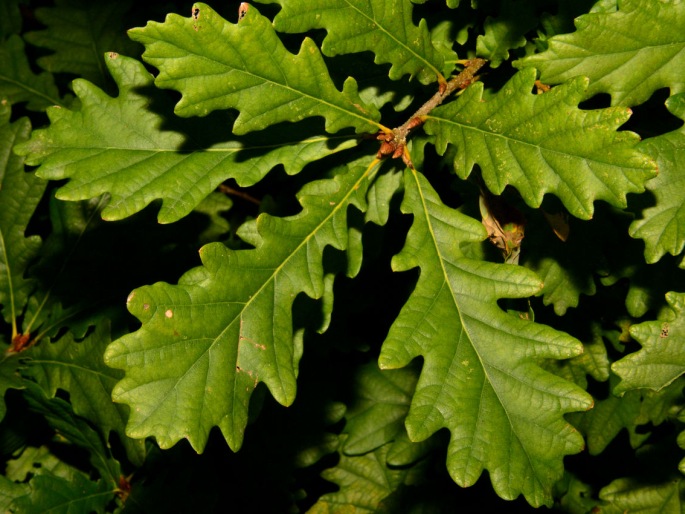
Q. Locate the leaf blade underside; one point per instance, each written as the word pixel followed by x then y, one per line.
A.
pixel 543 143
pixel 480 377
pixel 122 147
pixel 628 53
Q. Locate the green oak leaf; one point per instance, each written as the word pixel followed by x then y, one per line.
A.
pixel 543 143
pixel 565 267
pixel 384 27
pixel 79 33
pixel 10 18
pixel 630 495
pixel 19 84
pixel 628 53
pixel 53 494
pixel 364 481
pixel 594 362
pixel 481 377
pixel 662 227
pixel 75 429
pixel 119 146
pixel 219 65
pixel 662 357
pixel 376 416
pixel 506 31
pixel 227 325
pixel 10 365
pixel 608 417
pixel 11 491
pixel 78 369
pixel 20 193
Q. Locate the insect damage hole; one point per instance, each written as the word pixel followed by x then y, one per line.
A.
pixel 196 17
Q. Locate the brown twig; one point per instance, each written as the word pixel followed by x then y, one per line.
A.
pixel 395 142
pixel 228 190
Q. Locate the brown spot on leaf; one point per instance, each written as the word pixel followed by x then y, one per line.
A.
pixel 242 10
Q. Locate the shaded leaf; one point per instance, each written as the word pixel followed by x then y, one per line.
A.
pixel 662 227
pixel 543 143
pixel 384 27
pixel 119 146
pixel 228 325
pixel 10 491
pixel 364 481
pixel 481 377
pixel 662 357
pixel 10 18
pixel 10 364
pixel 79 33
pixel 20 193
pixel 629 495
pixel 78 369
pixel 506 31
pixel 19 84
pixel 376 416
pixel 601 424
pixel 628 53
pixel 60 416
pixel 57 495
pixel 594 362
pixel 205 58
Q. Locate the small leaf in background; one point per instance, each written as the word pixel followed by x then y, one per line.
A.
pixel 75 429
pixel 118 146
pixel 76 495
pixel 662 226
pixel 364 481
pixel 19 84
pixel 10 18
pixel 629 495
pixel 662 357
pixel 376 417
pixel 480 378
pixel 629 52
pixel 506 31
pixel 384 27
pixel 543 144
pixel 78 369
pixel 79 33
pixel 228 325
pixel 20 193
pixel 204 57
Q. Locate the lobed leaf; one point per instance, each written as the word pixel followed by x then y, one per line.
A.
pixel 506 31
pixel 376 417
pixel 19 84
pixel 662 357
pixel 628 53
pixel 384 27
pixel 120 146
pixel 629 495
pixel 662 227
pixel 227 326
pixel 481 377
pixel 219 65
pixel 49 493
pixel 543 143
pixel 78 369
pixel 364 481
pixel 20 193
pixel 79 33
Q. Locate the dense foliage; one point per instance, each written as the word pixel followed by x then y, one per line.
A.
pixel 342 256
